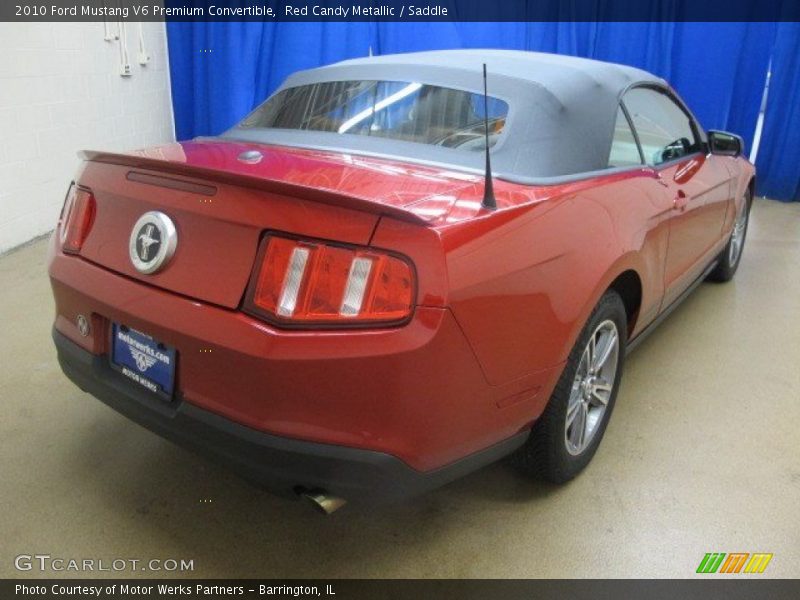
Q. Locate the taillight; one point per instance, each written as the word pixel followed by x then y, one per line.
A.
pixel 77 217
pixel 303 282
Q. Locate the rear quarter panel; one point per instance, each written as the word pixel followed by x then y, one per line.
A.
pixel 523 281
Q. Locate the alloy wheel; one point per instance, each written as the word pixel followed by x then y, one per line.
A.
pixel 592 387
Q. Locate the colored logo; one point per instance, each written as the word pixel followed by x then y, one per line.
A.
pixel 735 562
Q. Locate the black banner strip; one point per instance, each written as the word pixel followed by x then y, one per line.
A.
pixel 399 10
pixel 735 588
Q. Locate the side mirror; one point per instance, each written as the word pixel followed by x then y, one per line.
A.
pixel 724 143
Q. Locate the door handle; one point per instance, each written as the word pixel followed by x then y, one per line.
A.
pixel 680 201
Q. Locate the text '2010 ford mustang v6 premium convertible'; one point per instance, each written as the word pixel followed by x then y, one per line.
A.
pixel 397 269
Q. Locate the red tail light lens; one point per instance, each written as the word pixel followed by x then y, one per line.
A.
pixel 77 218
pixel 302 282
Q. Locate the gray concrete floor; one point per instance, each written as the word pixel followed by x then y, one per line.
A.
pixel 702 454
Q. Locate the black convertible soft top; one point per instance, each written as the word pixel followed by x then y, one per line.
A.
pixel 562 110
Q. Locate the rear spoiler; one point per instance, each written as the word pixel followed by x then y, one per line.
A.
pixel 282 188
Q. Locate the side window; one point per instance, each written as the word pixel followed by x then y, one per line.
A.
pixel 624 151
pixel 665 131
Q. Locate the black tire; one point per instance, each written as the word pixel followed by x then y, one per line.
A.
pixel 727 262
pixel 545 455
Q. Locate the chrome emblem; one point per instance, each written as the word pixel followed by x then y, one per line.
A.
pixel 251 157
pixel 152 243
pixel 83 325
pixel 146 240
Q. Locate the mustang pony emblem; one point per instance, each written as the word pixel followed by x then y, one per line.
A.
pixel 152 242
pixel 147 240
pixel 143 361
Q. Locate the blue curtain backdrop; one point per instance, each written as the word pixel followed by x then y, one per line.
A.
pixel 778 161
pixel 221 70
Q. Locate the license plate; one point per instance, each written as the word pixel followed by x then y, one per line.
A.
pixel 144 360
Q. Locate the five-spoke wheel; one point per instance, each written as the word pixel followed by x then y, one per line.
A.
pixel 565 437
pixel 592 387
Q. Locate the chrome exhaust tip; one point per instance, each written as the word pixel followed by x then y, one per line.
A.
pixel 322 501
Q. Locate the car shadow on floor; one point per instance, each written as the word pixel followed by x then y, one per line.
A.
pixel 182 503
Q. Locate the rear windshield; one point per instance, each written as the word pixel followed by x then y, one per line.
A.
pixel 397 110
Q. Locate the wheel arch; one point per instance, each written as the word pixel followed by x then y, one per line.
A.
pixel 628 285
pixel 630 278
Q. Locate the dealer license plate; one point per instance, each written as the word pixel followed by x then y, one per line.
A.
pixel 144 360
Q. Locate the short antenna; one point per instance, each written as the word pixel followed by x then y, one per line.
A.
pixel 489 201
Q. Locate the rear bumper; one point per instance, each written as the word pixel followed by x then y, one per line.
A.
pixel 277 463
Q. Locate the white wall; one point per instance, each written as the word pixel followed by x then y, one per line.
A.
pixel 60 92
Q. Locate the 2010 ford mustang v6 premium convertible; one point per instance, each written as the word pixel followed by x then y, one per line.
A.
pixel 396 269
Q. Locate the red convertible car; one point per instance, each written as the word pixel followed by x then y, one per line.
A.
pixel 396 269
